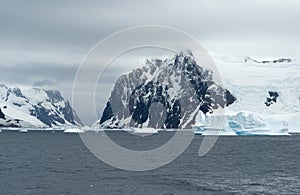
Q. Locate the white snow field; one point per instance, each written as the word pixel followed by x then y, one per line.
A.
pixel 250 81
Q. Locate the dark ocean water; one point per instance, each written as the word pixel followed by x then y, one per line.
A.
pixel 58 163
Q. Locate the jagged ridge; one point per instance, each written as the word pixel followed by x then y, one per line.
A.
pixel 179 85
pixel 34 108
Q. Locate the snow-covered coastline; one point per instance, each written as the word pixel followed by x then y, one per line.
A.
pixel 35 108
pixel 267 102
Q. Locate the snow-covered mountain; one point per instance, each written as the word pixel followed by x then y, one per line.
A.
pixel 164 94
pixel 35 108
pixel 262 96
pixel 267 92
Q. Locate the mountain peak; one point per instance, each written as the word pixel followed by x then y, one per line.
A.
pixel 3 86
pixel 184 58
pixel 54 95
pixel 185 53
pixel 178 84
pixel 35 107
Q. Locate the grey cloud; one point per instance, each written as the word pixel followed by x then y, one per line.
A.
pixel 26 73
pixel 44 82
pixel 43 75
pixel 42 43
pixel 72 27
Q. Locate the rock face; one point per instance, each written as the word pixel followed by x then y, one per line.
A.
pixel 164 94
pixel 2 116
pixel 277 61
pixel 273 95
pixel 34 108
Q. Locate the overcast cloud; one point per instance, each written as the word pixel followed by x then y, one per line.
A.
pixel 43 42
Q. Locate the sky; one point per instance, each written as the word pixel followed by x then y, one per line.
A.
pixel 42 43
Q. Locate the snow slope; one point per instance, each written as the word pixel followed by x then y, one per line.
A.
pixel 253 82
pixel 267 94
pixel 34 108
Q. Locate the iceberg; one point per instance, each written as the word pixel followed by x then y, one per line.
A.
pixel 23 131
pixel 249 123
pixel 294 123
pixel 74 130
pixel 144 130
pixel 199 130
pixel 245 123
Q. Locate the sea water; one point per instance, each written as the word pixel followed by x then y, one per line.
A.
pixel 59 163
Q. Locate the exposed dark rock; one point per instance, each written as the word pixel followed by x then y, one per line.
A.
pixel 2 115
pixel 179 85
pixel 107 113
pixel 277 61
pixel 273 95
pixel 46 105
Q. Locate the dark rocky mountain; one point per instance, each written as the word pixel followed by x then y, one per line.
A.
pixel 164 94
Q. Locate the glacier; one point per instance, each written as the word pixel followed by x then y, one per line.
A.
pixel 268 97
pixel 246 123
